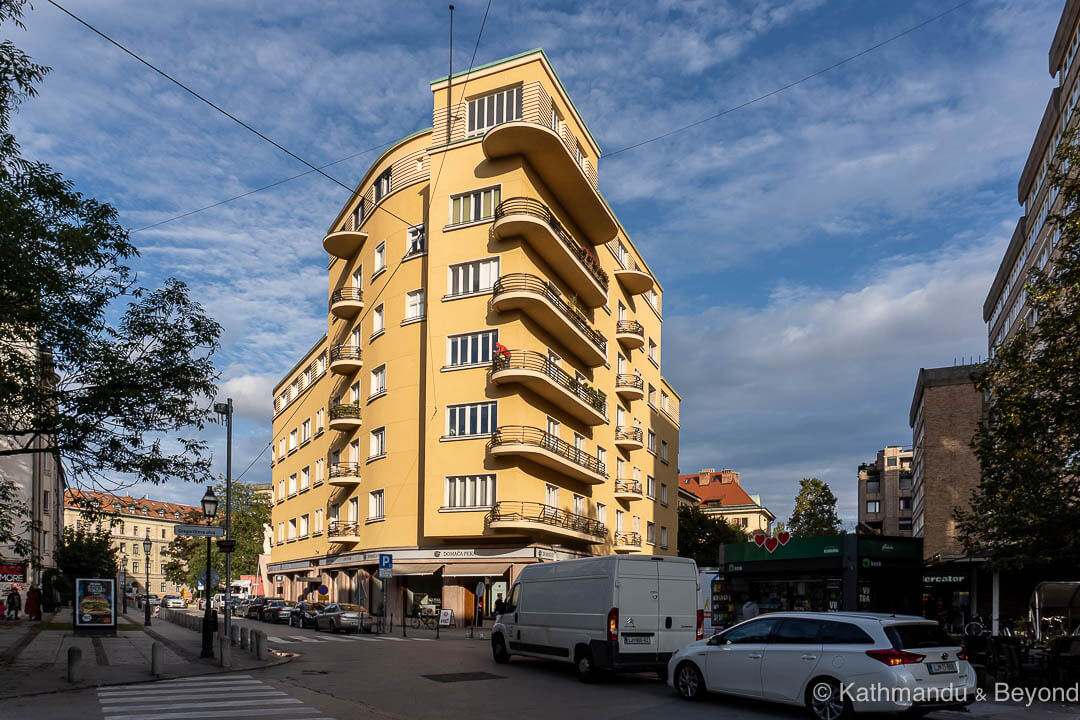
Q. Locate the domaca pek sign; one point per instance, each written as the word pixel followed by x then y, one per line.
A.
pixel 13 573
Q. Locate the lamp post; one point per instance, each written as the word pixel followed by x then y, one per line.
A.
pixel 146 546
pixel 209 508
pixel 123 581
pixel 225 410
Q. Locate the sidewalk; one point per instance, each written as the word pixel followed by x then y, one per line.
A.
pixel 41 665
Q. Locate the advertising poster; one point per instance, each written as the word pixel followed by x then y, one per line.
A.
pixel 95 603
pixel 14 573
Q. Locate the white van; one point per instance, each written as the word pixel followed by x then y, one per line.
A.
pixel 619 612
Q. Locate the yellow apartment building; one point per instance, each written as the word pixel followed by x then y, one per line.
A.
pixel 488 393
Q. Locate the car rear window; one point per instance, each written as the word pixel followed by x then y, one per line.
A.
pixel 917 635
pixel 842 633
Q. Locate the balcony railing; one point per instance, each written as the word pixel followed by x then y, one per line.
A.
pixel 343 294
pixel 545 515
pixel 345 411
pixel 342 528
pixel 522 282
pixel 630 326
pixel 536 209
pixel 625 432
pixel 535 437
pixel 339 470
pixel 530 360
pixel 629 380
pixel 628 486
pixel 630 538
pixel 344 352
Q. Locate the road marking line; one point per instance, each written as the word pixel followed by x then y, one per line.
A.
pixel 208 714
pixel 201 696
pixel 423 639
pixel 274 639
pixel 152 692
pixel 305 638
pixel 335 638
pixel 238 685
pixel 372 639
pixel 395 639
pixel 179 685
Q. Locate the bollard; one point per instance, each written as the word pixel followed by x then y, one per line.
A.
pixel 260 645
pixel 224 651
pixel 244 637
pixel 74 666
pixel 234 635
pixel 157 659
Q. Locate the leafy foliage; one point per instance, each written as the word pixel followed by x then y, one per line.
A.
pixel 85 551
pixel 186 557
pixel 107 372
pixel 701 535
pixel 16 523
pixel 815 510
pixel 1026 509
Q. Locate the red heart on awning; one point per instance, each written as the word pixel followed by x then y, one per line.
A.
pixel 784 537
pixel 759 539
pixel 771 544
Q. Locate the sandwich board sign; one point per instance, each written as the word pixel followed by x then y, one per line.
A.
pixel 95 606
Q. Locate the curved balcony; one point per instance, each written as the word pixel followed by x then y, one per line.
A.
pixel 532 220
pixel 534 517
pixel 628 489
pixel 629 386
pixel 540 447
pixel 345 417
pixel 634 279
pixel 344 243
pixel 628 438
pixel 340 531
pixel 627 542
pixel 630 333
pixel 535 371
pixel 344 475
pixel 545 152
pixel 346 302
pixel 537 299
pixel 345 359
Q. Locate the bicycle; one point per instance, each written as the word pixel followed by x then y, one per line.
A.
pixel 425 618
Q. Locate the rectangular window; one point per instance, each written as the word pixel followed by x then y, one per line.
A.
pixel 317 528
pixel 663 493
pixel 281 489
pixel 305 431
pixel 378 443
pixel 601 456
pixel 471 277
pixel 292 440
pixel 652 442
pixel 890 462
pixel 474 206
pixel 292 528
pixel 354 509
pixel 471 348
pixel 45 502
pixel 579 505
pixel 380 259
pixel 320 420
pixel 354 393
pixel 281 448
pixel 904 524
pixel 415 241
pixel 376 506
pixel 650 486
pixel 378 381
pixel 551 496
pixel 304 526
pixel 469 491
pixel 414 304
pixel 601 513
pixel 305 478
pixel 320 471
pixel 663 450
pixel 873 506
pixel 382 185
pixel 335 512
pixel 134 566
pixel 905 503
pixel 663 536
pixel 292 484
pixel 652 351
pixel 620 521
pixel 652 395
pixel 471 419
pixel 494 109
pixel 377 324
pixel 650 533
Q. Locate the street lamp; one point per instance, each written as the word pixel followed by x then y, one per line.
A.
pixel 123 581
pixel 225 411
pixel 209 508
pixel 146 546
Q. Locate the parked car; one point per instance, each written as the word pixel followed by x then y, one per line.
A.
pixel 886 663
pixel 235 605
pixel 173 601
pixel 152 598
pixel 254 608
pixel 304 614
pixel 338 616
pixel 619 612
pixel 277 611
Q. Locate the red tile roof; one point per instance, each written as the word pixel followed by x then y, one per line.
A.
pixel 134 507
pixel 716 493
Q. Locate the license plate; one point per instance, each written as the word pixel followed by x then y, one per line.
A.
pixel 941 668
pixel 637 639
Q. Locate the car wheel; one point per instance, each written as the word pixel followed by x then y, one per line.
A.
pixel 498 650
pixel 583 666
pixel 688 681
pixel 825 701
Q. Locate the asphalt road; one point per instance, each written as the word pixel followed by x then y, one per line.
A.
pixel 369 677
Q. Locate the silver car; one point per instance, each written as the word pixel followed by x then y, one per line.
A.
pixel 174 601
pixel 338 616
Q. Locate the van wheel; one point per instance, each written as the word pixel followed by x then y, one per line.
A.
pixel 825 702
pixel 688 681
pixel 498 650
pixel 583 666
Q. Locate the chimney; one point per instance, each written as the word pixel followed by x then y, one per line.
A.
pixel 704 475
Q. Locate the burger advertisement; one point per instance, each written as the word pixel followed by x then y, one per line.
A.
pixel 95 603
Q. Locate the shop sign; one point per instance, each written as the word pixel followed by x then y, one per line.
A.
pixel 732 567
pixel 944 579
pixel 13 573
pixel 868 563
pixel 95 603
pixel 545 554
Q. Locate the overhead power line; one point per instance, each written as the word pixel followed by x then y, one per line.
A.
pixel 790 85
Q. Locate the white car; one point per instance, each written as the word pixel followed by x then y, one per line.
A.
pixel 174 601
pixel 834 664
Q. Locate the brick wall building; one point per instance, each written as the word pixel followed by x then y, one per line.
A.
pixel 885 490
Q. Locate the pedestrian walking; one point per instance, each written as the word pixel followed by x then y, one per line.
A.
pixel 33 603
pixel 750 609
pixel 14 603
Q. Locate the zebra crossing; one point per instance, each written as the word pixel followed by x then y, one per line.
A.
pixel 296 639
pixel 223 696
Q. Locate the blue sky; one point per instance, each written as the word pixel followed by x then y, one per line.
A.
pixel 816 248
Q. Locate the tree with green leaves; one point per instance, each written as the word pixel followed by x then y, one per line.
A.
pixel 1026 509
pixel 702 534
pixel 84 551
pixel 110 374
pixel 186 556
pixel 815 510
